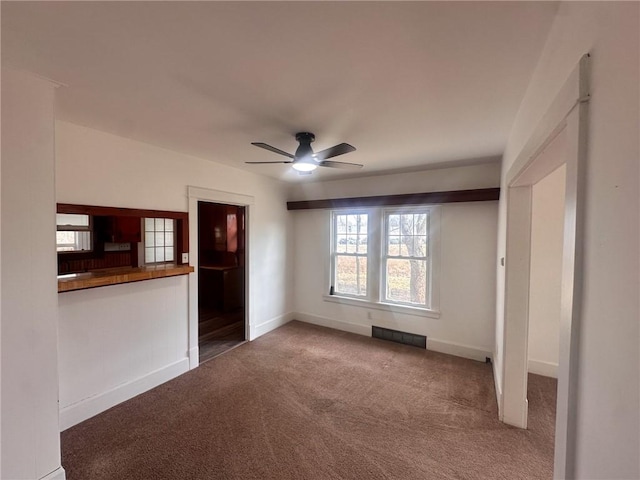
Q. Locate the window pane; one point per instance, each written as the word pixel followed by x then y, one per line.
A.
pixel 351 275
pixel 362 244
pixel 168 225
pixel 159 254
pixel 393 245
pixel 362 275
pixel 406 224
pixel 159 224
pixel 404 245
pixel 362 225
pixel 73 241
pixel 168 254
pixel 168 239
pixel 352 223
pixel 149 239
pixel 149 224
pixel 159 239
pixel 341 244
pixel 65 238
pixel 149 255
pixel 420 223
pixel 352 242
pixel 72 219
pixel 341 224
pixel 394 224
pixel 406 281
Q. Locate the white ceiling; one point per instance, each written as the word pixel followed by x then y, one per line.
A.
pixel 409 84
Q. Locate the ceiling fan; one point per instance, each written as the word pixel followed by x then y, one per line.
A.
pixel 305 160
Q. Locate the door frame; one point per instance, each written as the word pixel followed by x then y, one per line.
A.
pixel 199 194
pixel 567 117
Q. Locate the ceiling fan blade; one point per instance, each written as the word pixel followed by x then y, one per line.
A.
pixel 281 161
pixel 334 164
pixel 334 151
pixel 272 149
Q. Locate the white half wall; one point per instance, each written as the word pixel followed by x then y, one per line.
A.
pixel 467 262
pixel 547 232
pixel 29 433
pixel 100 366
pixel 608 390
pixel 118 341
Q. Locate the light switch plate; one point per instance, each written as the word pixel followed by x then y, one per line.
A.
pixel 185 258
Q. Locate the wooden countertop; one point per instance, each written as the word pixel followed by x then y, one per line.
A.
pixel 115 276
pixel 218 268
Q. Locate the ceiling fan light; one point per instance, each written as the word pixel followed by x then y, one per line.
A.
pixel 304 166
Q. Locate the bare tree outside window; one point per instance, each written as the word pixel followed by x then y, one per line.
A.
pixel 406 257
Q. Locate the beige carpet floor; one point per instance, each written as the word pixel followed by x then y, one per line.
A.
pixel 305 402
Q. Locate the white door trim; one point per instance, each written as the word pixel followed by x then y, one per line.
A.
pixel 567 115
pixel 196 194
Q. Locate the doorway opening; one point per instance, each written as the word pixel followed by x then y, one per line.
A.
pixel 545 288
pixel 563 128
pixel 221 278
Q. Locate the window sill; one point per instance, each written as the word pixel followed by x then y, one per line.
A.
pixel 385 307
pixel 115 276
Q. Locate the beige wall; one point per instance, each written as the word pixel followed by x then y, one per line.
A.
pixel 547 231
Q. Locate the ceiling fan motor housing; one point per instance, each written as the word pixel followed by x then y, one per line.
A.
pixel 304 151
pixel 305 137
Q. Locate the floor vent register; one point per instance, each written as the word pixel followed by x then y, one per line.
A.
pixel 399 337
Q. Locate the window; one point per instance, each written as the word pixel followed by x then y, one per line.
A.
pixel 385 257
pixel 159 245
pixel 406 257
pixel 73 233
pixel 350 253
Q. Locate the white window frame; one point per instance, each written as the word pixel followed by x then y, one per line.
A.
pixel 334 251
pixel 79 229
pixel 154 231
pixel 376 285
pixel 387 212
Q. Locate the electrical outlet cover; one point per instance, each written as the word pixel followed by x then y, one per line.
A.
pixel 185 258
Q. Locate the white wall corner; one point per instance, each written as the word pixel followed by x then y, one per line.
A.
pixel 57 474
pixel 266 327
pixel 335 324
pixel 458 350
pixel 546 369
pixel 84 409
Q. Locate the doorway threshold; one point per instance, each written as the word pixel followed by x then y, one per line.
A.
pixel 214 348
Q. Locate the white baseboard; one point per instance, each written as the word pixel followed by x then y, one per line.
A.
pixel 497 382
pixel 546 369
pixel 335 324
pixel 266 327
pixel 78 412
pixel 57 474
pixel 458 350
pixel 194 357
pixel 450 348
